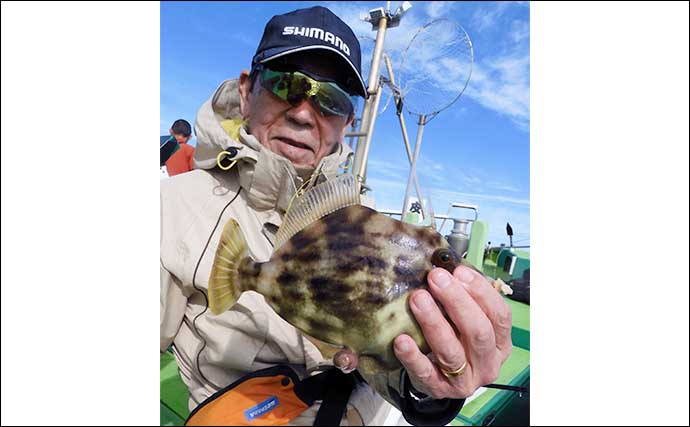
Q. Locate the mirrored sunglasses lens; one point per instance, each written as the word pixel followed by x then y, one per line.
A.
pixel 296 87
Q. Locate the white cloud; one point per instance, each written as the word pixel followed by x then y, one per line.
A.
pixel 436 9
pixel 382 168
pixel 502 85
pixel 388 193
pixel 502 186
pixel 487 17
pixel 519 31
pixel 478 196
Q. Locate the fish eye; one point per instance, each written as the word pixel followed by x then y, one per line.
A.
pixel 442 258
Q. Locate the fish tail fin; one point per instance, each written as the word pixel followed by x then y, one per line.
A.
pixel 224 284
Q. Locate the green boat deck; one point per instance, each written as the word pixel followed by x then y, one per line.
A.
pixel 174 393
pixel 491 404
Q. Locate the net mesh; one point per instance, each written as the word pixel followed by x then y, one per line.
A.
pixel 436 67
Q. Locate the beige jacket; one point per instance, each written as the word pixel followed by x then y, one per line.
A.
pixel 214 351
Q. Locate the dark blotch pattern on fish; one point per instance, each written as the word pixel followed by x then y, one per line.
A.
pixel 294 295
pixel 320 282
pixel 256 269
pixel 410 273
pixel 302 240
pixel 286 278
pixel 349 264
pixel 350 311
pixel 346 268
pixel 375 299
pixel 422 235
pixel 288 311
pixel 375 263
pixel 308 255
pixel 324 287
pixel 333 296
pixel 343 245
pixel 337 223
pixel 319 325
pixel 249 268
pixel 407 271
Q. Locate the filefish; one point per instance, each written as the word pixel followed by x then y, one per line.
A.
pixel 341 272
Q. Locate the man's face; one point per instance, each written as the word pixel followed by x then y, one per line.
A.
pixel 300 133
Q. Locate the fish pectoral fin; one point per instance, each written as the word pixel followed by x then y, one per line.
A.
pixel 223 285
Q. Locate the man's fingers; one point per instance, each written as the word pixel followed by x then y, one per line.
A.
pixel 474 326
pixel 422 372
pixel 492 303
pixel 439 334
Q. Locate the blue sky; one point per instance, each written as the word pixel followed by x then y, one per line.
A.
pixel 477 151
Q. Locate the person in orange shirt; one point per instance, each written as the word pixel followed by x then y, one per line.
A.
pixel 183 159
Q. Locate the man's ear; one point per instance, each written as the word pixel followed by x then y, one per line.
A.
pixel 245 88
pixel 347 126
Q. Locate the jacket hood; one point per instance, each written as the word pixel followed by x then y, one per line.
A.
pixel 270 179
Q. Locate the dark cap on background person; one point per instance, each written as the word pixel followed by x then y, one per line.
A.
pixel 314 29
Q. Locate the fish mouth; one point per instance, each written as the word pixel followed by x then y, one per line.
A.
pixel 294 143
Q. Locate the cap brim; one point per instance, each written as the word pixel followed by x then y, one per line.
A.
pixel 278 52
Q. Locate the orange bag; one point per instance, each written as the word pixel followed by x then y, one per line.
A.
pixel 274 396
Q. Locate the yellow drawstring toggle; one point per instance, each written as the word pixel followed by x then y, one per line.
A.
pixel 218 159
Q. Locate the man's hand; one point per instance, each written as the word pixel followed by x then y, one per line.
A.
pixel 484 322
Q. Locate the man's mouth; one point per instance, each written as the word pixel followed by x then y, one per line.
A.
pixel 294 143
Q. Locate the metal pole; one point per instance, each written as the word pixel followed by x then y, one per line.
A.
pixel 370 131
pixel 369 114
pixel 413 169
pixel 401 119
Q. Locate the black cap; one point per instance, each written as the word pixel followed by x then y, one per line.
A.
pixel 313 28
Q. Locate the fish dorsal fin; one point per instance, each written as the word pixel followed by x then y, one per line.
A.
pixel 321 200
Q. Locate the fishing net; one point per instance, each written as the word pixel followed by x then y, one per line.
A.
pixel 436 67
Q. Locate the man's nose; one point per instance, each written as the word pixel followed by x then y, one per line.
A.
pixel 303 114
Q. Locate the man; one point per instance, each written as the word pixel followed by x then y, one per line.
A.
pixel 183 158
pixel 260 137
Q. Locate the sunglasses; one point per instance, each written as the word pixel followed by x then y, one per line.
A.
pixel 295 87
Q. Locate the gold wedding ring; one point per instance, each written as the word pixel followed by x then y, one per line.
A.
pixel 455 373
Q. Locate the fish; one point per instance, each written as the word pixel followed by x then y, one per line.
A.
pixel 342 273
